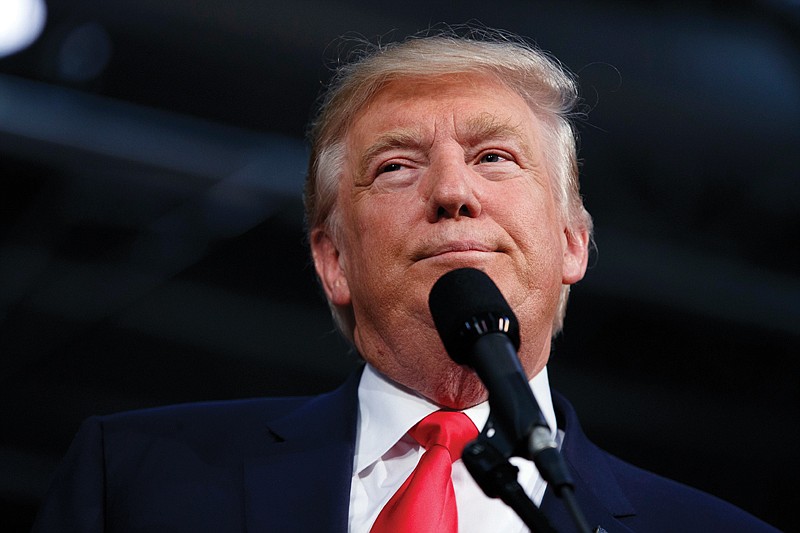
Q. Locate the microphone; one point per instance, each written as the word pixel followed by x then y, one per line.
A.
pixel 479 329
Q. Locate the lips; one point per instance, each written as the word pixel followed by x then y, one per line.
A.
pixel 452 247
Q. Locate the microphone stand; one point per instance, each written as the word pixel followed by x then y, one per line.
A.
pixel 486 459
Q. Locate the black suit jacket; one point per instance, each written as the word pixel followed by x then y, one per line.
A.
pixel 285 464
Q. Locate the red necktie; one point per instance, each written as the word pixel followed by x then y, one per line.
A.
pixel 426 501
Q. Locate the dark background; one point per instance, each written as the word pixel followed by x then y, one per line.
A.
pixel 151 242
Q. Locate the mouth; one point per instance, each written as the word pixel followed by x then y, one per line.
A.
pixel 464 249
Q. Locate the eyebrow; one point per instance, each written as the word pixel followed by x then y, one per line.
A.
pixel 402 138
pixel 488 126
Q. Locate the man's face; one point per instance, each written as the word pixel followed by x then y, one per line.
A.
pixel 442 174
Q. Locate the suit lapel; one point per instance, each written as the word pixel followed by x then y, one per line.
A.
pixel 599 495
pixel 301 481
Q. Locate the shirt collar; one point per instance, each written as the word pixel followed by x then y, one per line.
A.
pixel 386 411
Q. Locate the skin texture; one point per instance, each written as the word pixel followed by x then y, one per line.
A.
pixel 441 174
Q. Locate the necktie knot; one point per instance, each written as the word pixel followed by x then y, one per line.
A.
pixel 450 429
pixel 426 501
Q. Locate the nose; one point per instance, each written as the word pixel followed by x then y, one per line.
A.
pixel 451 191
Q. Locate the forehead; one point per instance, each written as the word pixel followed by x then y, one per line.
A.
pixel 458 100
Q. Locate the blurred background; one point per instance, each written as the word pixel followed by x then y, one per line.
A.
pixel 151 232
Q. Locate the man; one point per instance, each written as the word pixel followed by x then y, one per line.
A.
pixel 427 156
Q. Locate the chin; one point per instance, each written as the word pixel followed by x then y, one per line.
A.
pixel 458 387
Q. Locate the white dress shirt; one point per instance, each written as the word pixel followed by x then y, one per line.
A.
pixel 385 456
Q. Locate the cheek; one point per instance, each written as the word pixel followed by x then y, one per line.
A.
pixel 538 234
pixel 383 221
pixel 374 238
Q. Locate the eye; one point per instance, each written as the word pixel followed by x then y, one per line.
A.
pixel 492 158
pixel 391 167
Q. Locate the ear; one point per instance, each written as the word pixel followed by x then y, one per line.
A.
pixel 330 270
pixel 576 255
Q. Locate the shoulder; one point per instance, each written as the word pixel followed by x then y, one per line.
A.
pixel 227 413
pixel 208 429
pixel 642 500
pixel 666 504
pixel 190 467
pixel 133 466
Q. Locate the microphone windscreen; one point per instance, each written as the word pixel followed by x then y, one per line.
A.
pixel 465 304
